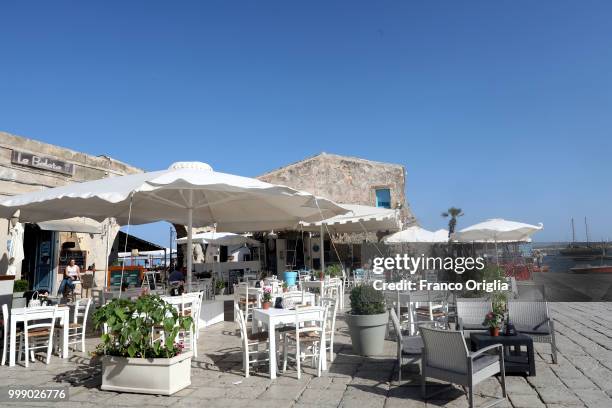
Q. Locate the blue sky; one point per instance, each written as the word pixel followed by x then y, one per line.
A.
pixel 501 108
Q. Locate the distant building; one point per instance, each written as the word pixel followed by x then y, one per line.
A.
pixel 29 165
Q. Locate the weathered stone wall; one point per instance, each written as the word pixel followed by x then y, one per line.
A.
pixel 347 180
pixel 17 179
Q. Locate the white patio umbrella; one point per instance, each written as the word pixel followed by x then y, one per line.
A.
pixel 417 234
pixel 187 193
pixel 498 230
pixel 357 219
pixel 219 238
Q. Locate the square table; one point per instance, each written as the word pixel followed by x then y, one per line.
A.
pixel 37 313
pixel 273 317
pixel 515 361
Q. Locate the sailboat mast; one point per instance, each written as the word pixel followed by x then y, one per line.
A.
pixel 586 227
pixel 573 232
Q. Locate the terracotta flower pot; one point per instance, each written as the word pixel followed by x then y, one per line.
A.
pixel 494 331
pixel 266 305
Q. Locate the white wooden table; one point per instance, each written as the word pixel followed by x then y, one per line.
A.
pixel 273 317
pixel 38 313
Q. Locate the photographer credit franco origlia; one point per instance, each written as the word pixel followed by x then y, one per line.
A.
pixel 412 264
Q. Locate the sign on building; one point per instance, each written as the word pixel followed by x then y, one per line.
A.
pixel 42 162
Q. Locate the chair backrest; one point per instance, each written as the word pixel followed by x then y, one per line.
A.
pixel 445 349
pixel 332 305
pixel 473 310
pixel 81 311
pixel 87 280
pixel 5 318
pixel 527 313
pixel 240 321
pixel 396 326
pixel 35 322
pixel 303 316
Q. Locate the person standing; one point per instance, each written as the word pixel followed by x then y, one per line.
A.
pixel 71 273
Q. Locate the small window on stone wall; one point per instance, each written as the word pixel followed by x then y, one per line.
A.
pixel 383 197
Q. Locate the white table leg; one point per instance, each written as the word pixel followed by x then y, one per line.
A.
pixel 12 350
pixel 65 323
pixel 272 339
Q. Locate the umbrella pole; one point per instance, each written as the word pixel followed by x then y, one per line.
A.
pixel 322 262
pixel 189 246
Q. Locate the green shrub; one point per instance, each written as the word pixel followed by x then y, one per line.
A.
pixel 20 285
pixel 365 300
pixel 131 322
pixel 334 270
pixel 219 285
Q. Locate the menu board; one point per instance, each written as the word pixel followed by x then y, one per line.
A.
pixel 131 274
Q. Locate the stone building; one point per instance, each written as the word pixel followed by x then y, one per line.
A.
pixel 29 165
pixel 346 180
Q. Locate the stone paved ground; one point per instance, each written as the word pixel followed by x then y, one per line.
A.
pixel 583 376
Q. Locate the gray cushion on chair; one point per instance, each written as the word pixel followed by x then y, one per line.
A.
pixel 484 361
pixel 542 330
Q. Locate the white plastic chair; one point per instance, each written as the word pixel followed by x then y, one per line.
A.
pixel 250 342
pixel 77 328
pixel 307 332
pixel 37 334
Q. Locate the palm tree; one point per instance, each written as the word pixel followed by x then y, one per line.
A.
pixel 453 213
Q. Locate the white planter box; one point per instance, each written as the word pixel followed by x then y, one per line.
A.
pixel 163 376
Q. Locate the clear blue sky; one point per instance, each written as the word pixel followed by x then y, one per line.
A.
pixel 501 108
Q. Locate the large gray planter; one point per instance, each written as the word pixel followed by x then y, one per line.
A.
pixel 368 333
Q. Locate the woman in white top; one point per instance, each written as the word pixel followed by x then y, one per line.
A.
pixel 71 273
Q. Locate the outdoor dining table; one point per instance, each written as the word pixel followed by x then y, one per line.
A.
pixel 37 313
pixel 273 317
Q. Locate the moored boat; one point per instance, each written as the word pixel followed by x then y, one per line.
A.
pixel 592 269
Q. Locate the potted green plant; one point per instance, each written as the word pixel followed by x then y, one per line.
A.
pixel 139 351
pixel 219 287
pixel 334 270
pixel 285 287
pixel 367 320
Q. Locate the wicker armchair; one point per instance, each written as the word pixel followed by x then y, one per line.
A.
pixel 409 348
pixel 533 319
pixel 446 357
pixel 471 313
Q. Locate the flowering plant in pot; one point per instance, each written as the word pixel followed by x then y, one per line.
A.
pixel 139 349
pixel 493 320
pixel 267 298
pixel 367 320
